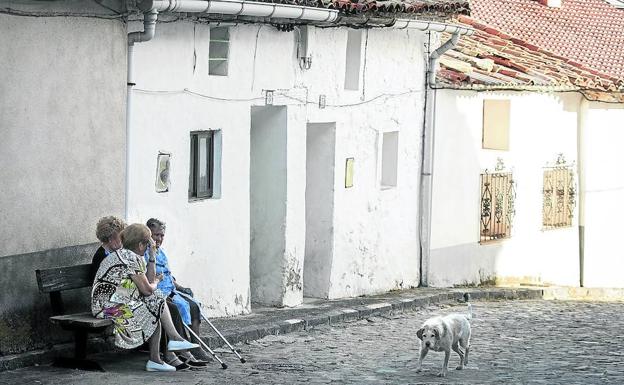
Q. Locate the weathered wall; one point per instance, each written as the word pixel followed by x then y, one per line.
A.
pixel 62 81
pixel 319 205
pixel 268 203
pixel 541 126
pixel 375 230
pixel 603 133
pixel 209 241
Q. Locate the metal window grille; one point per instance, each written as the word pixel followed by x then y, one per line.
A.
pixel 559 196
pixel 498 196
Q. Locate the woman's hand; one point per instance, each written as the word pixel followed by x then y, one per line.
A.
pixel 151 248
pixel 145 287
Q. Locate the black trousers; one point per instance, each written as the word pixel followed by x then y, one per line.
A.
pixel 177 322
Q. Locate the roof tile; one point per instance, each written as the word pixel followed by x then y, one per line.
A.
pixel 490 60
pixel 588 31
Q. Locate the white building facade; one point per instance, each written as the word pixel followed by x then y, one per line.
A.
pixel 281 223
pixel 541 126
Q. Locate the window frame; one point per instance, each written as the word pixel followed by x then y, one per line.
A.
pixel 194 192
pixel 213 42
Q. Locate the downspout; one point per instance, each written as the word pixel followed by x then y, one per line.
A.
pixel 149 29
pixel 580 164
pixel 428 143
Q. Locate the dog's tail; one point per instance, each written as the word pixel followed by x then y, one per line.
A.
pixel 466 299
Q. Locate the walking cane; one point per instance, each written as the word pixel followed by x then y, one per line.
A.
pixel 223 365
pixel 242 360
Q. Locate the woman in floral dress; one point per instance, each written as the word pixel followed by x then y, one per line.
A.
pixel 124 290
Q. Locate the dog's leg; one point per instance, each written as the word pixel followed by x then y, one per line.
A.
pixel 447 355
pixel 423 353
pixel 458 350
pixel 465 343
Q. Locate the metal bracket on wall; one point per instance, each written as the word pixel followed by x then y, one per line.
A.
pixel 268 97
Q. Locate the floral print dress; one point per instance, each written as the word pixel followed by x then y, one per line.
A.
pixel 116 297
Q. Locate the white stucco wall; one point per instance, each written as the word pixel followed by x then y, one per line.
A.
pixel 62 119
pixel 62 144
pixel 268 203
pixel 319 241
pixel 603 132
pixel 375 231
pixel 376 240
pixel 541 126
pixel 208 240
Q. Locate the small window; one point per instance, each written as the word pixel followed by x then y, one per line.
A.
pixel 352 64
pixel 389 159
pixel 497 211
pixel 559 196
pixel 201 179
pixel 219 51
pixel 496 124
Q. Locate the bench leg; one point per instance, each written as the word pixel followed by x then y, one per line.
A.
pixel 80 347
pixel 79 361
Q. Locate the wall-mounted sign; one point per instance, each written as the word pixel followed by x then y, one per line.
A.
pixel 162 172
pixel 349 173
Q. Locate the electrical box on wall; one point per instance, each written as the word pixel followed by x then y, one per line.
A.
pixel 303 54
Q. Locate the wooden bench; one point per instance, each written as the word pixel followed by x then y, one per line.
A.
pixel 56 280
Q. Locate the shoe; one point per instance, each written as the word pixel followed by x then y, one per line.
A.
pixel 201 355
pixel 152 366
pixel 177 363
pixel 182 366
pixel 195 363
pixel 173 346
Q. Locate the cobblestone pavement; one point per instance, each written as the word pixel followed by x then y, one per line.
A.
pixel 514 342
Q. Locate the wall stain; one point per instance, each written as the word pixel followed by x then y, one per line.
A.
pixel 294 282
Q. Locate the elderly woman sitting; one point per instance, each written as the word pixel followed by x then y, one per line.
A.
pixel 107 230
pixel 125 291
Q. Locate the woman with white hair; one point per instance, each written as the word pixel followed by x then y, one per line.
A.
pixel 125 291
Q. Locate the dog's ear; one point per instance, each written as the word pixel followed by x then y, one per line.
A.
pixel 419 333
pixel 437 333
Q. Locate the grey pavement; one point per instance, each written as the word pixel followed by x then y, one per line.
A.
pixel 514 342
pixel 314 312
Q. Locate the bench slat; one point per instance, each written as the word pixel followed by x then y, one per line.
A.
pixel 83 320
pixel 64 278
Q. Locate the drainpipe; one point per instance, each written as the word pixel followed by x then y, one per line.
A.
pixel 428 143
pixel 149 29
pixel 580 164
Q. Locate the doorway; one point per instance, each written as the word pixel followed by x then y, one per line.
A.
pixel 267 203
pixel 319 212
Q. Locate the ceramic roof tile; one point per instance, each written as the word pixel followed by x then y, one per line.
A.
pixel 492 60
pixel 440 9
pixel 588 31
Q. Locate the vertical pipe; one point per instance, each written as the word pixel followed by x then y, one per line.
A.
pixel 581 156
pixel 428 145
pixel 149 29
pixel 129 85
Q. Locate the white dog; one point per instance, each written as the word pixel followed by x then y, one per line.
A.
pixel 442 334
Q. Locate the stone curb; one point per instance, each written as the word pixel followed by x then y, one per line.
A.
pixel 345 315
pixel 332 317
